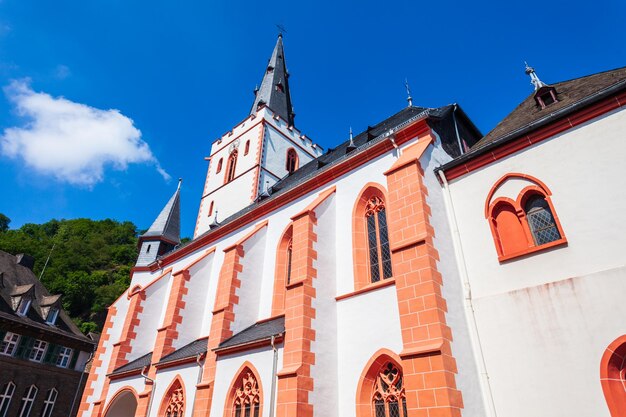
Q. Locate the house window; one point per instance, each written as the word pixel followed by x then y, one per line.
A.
pixel 219 166
pixel 246 148
pixel 292 160
pixel 37 351
pixel 525 225
pixel 541 221
pixel 377 240
pixel 52 316
pixel 48 404
pixel 63 359
pixel 247 398
pixel 175 402
pixel 389 398
pixel 232 164
pixel 27 401
pixel 5 397
pixel 22 310
pixel 8 345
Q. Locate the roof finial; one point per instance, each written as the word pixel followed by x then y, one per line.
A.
pixel 281 30
pixel 534 79
pixel 408 92
pixel 351 139
pixel 180 181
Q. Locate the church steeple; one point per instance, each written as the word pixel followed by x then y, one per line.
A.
pixel 164 234
pixel 274 89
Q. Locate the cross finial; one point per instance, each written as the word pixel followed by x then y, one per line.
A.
pixel 534 79
pixel 281 30
pixel 408 92
pixel 351 139
pixel 180 181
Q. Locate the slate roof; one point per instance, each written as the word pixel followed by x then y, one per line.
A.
pixel 188 351
pixel 138 363
pixel 258 331
pixel 274 90
pixel 167 224
pixel 17 280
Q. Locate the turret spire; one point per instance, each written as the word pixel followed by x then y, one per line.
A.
pixel 408 92
pixel 534 79
pixel 274 89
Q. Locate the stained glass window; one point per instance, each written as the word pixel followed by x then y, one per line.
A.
pixel 378 240
pixel 541 221
pixel 389 398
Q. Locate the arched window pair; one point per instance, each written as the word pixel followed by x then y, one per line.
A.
pixel 381 392
pixel 245 397
pixel 526 224
pixel 372 254
pixel 292 160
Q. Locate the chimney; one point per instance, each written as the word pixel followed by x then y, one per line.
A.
pixel 25 260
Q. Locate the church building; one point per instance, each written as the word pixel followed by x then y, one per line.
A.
pixel 417 269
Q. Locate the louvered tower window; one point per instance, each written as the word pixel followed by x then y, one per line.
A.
pixel 389 399
pixel 232 164
pixel 378 240
pixel 541 221
pixel 292 160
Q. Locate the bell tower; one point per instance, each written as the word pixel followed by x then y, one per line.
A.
pixel 260 150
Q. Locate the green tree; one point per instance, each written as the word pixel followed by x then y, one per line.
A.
pixel 4 223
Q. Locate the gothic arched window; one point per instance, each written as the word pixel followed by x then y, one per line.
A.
pixel 289 256
pixel 175 402
pixel 292 160
pixel 282 274
pixel 247 148
pixel 5 397
pixel 377 239
pixel 247 396
pixel 230 167
pixel 219 166
pixel 541 221
pixel 389 398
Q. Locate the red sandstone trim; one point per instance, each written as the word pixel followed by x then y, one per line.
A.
pixel 372 287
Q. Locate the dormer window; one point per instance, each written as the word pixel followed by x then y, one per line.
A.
pixel 52 316
pixel 22 310
pixel 545 96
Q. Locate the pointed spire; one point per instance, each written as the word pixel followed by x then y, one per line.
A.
pixel 408 92
pixel 167 224
pixel 274 89
pixel 534 79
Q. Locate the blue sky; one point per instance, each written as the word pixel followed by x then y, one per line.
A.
pixel 179 74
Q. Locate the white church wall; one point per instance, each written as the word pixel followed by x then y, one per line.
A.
pixel 188 373
pixel 365 324
pixel 247 309
pixel 467 378
pixel 195 301
pixel 227 367
pixel 114 333
pixel 546 318
pixel 326 368
pixel 275 152
pixel 134 382
pixel 150 318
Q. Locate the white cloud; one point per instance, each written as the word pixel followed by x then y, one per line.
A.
pixel 71 141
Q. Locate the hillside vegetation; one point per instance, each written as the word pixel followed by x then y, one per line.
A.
pixel 89 264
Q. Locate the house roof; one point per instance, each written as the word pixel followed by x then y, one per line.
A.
pixel 188 351
pixel 17 280
pixel 568 93
pixel 258 331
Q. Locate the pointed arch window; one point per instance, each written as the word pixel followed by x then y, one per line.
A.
pixel 378 239
pixel 27 401
pixel 48 404
pixel 247 398
pixel 292 160
pixel 219 166
pixel 231 166
pixel 282 272
pixel 389 399
pixel 5 397
pixel 246 148
pixel 210 209
pixel 174 405
pixel 289 257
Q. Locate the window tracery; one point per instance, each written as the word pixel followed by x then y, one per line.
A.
pixel 176 403
pixel 247 402
pixel 378 239
pixel 389 397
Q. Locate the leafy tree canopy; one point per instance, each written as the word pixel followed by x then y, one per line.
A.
pixel 89 264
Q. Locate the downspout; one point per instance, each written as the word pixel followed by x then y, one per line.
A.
pixel 392 139
pixel 143 374
pixel 198 379
pixel 273 389
pixel 456 129
pixel 468 304
pixel 80 382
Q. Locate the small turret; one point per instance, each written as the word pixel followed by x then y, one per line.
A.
pixel 164 234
